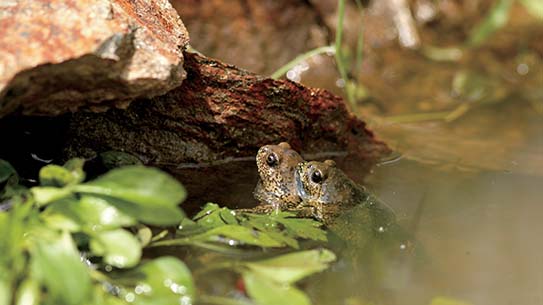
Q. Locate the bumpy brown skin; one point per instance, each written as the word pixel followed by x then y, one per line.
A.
pixel 276 189
pixel 327 191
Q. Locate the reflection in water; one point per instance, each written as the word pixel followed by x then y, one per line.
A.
pixel 508 137
pixel 480 236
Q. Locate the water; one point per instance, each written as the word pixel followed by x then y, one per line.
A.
pixel 480 233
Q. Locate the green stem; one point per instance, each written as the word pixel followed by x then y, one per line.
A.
pixel 159 236
pixel 340 60
pixel 339 39
pixel 98 276
pixel 418 117
pixel 204 245
pixel 172 242
pixel 447 116
pixel 212 299
pixel 284 69
pixel 360 40
pixel 457 112
pixel 218 266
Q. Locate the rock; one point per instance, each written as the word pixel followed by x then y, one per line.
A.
pixel 257 35
pixel 56 56
pixel 115 70
pixel 222 112
pixel 207 131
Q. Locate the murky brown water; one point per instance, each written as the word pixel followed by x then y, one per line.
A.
pixel 472 194
pixel 480 233
pixel 479 226
pixel 470 190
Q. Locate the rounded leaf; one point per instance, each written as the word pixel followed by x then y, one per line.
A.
pixel 137 184
pixel 119 248
pixel 267 292
pixel 6 170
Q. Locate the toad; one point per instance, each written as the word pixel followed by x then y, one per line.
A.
pixel 328 192
pixel 276 188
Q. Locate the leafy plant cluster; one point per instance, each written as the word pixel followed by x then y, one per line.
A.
pixel 67 241
pixel 221 225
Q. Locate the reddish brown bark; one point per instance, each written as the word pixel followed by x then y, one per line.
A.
pixel 220 112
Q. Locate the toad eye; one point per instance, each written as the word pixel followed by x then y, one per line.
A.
pixel 316 176
pixel 272 160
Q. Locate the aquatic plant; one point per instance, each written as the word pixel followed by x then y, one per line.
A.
pixel 68 241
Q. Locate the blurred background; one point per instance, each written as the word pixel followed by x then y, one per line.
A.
pixel 456 89
pixel 426 74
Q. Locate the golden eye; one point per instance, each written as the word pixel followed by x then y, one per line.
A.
pixel 317 176
pixel 272 160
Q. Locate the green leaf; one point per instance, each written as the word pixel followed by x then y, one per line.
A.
pixel 28 293
pixel 274 230
pixel 268 292
pixel 137 184
pixel 47 194
pixel 303 228
pixel 6 170
pixel 213 216
pixel 228 216
pixel 99 214
pixel 494 20
pixel 188 227
pixel 90 213
pixel 14 225
pixel 5 291
pixel 55 175
pixel 208 208
pixel 265 223
pixel 292 226
pixel 147 194
pixel 238 233
pixel 534 7
pixel 118 247
pixel 292 267
pixel 162 281
pixel 13 191
pixel 60 215
pixel 145 235
pixel 282 238
pixel 446 301
pixel 57 265
pixel 75 166
pixel 158 215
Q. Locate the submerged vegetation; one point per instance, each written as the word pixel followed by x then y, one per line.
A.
pixel 67 241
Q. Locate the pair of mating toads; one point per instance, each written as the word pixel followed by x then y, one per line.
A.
pixel 313 188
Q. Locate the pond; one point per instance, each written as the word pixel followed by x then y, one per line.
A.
pixel 461 108
pixel 466 175
pixel 476 229
pixel 479 233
